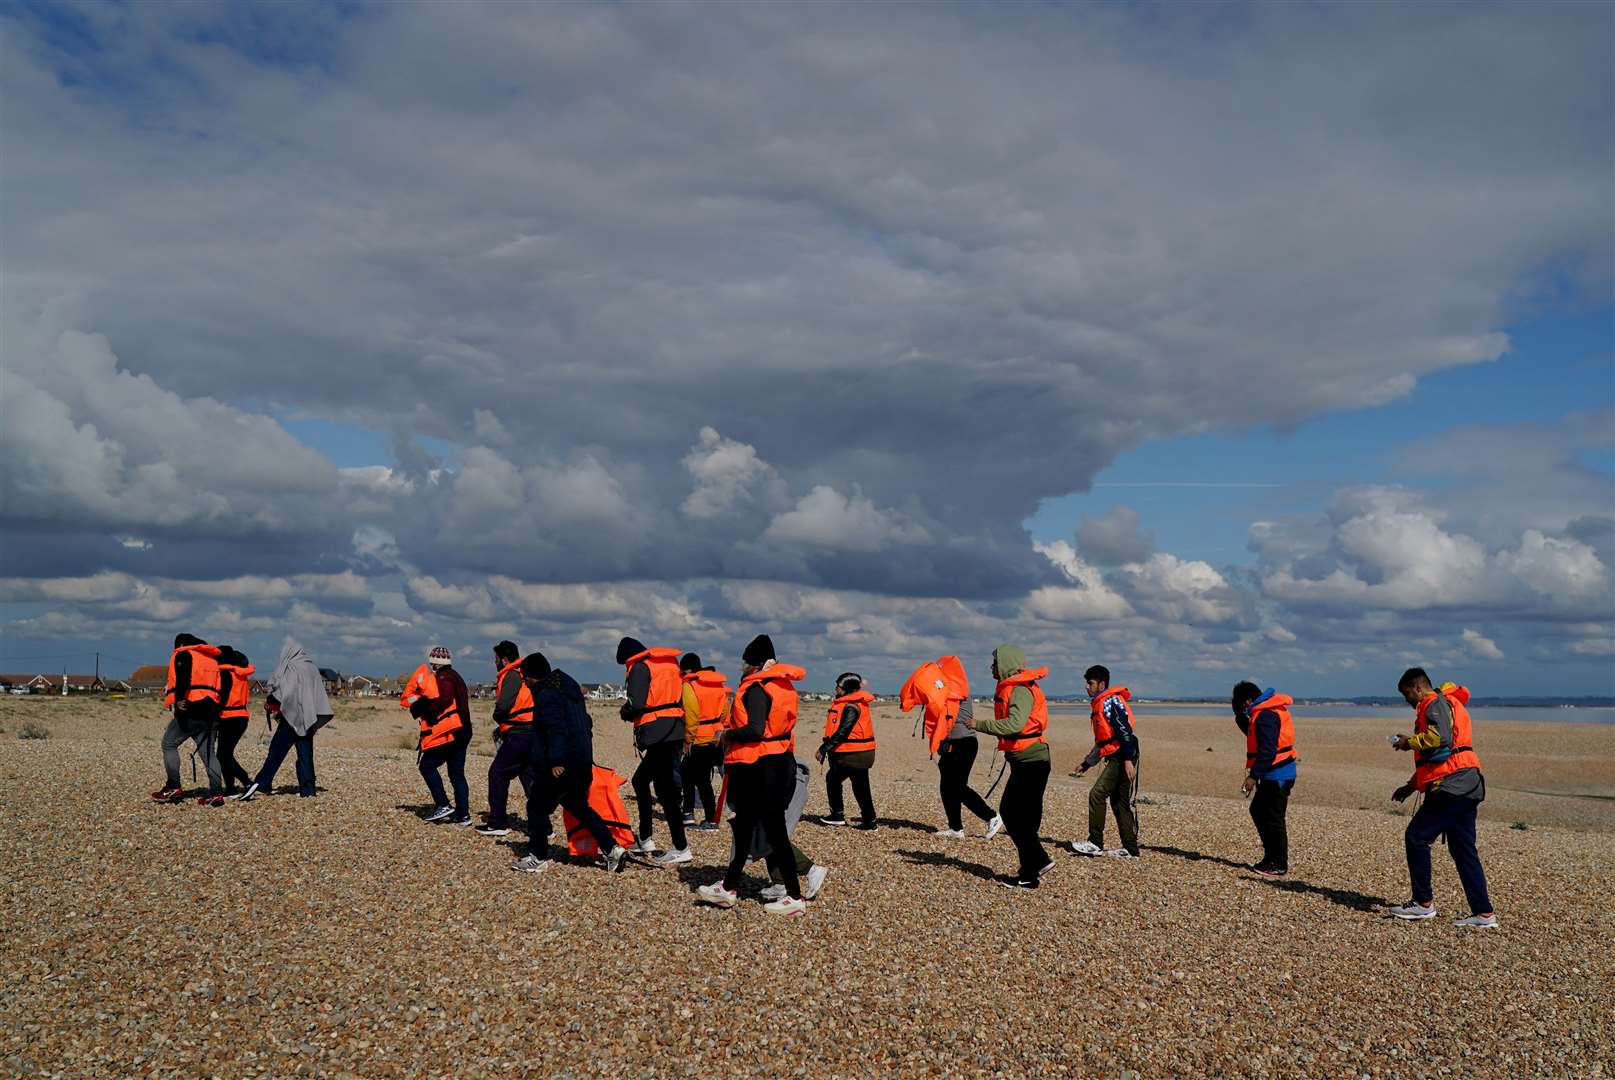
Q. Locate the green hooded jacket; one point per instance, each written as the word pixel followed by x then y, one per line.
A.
pixel 1011 660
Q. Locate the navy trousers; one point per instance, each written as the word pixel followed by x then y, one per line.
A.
pixel 1454 817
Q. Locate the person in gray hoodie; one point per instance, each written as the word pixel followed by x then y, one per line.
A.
pixel 298 703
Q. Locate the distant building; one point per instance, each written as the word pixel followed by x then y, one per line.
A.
pixel 149 679
pixel 52 684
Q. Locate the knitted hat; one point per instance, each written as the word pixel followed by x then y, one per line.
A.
pixel 759 651
pixel 689 662
pixel 439 656
pixel 628 647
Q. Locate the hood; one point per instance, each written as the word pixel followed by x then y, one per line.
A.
pixel 1011 660
pixel 628 647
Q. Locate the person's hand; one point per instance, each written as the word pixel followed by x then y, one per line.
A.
pixel 1402 792
pixel 970 724
pixel 820 756
pixel 1249 785
pixel 626 712
pixel 1402 743
pixel 1130 769
pixel 557 771
pixel 1084 767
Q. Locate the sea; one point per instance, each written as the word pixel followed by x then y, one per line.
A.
pixel 1541 714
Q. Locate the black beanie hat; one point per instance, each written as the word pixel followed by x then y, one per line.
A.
pixel 849 682
pixel 182 640
pixel 535 666
pixel 628 647
pixel 760 651
pixel 689 662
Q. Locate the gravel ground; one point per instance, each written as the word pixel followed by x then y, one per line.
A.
pixel 341 936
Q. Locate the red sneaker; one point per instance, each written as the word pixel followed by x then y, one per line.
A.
pixel 168 794
pixel 210 800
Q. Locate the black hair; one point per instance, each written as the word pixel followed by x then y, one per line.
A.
pixel 506 651
pixel 1244 693
pixel 1099 673
pixel 849 683
pixel 187 639
pixel 1412 677
pixel 689 662
pixel 628 648
pixel 535 666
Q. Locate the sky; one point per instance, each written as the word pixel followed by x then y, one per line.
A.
pixel 1207 342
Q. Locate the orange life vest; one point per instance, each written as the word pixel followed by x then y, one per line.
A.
pixel 862 735
pixel 1036 723
pixel 240 691
pixel 435 731
pixel 1430 766
pixel 521 710
pixel 605 800
pixel 711 691
pixel 779 730
pixel 1280 704
pixel 666 694
pixel 941 687
pixel 1104 736
pixel 204 674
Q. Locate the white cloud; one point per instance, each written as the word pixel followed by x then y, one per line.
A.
pixel 1479 645
pixel 727 473
pixel 825 518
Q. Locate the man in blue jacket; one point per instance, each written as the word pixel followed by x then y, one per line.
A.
pixel 560 765
pixel 1264 719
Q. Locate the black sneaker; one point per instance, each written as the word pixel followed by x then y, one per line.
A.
pixel 463 820
pixel 1016 883
pixel 1268 871
pixel 867 825
pixel 835 820
pixel 492 830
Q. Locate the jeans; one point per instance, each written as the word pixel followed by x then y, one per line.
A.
pixel 656 769
pixel 955 759
pixel 453 755
pixel 761 792
pixel 199 723
pixel 1114 788
pixel 1268 807
pixel 569 791
pixel 1453 816
pixel 833 778
pixel 230 732
pixel 698 766
pixel 1022 810
pixel 283 740
pixel 509 763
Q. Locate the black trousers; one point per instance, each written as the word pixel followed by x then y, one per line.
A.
pixel 657 769
pixel 569 791
pixel 1268 807
pixel 955 759
pixel 761 792
pixel 230 731
pixel 1022 810
pixel 833 778
pixel 698 766
pixel 509 763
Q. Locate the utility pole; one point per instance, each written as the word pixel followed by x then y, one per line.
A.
pixel 97 667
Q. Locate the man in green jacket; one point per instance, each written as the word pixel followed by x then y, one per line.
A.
pixel 1021 720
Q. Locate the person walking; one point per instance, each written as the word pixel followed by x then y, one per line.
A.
pixel 513 733
pixel 706 702
pixel 1270 757
pixel 1116 746
pixel 298 707
pixel 1446 770
pixel 944 689
pixel 444 712
pixel 849 746
pixel 560 765
pixel 235 692
pixel 655 707
pixel 1021 720
pixel 192 696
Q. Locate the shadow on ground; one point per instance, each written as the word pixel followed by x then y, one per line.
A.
pixel 937 858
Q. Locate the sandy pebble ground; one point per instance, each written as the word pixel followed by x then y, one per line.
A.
pixel 341 936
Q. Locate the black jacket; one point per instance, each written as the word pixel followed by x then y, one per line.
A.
pixel 563 733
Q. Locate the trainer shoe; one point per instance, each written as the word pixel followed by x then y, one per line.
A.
pixel 1268 871
pixel 214 799
pixel 1121 853
pixel 492 830
pixel 774 892
pixel 813 882
pixel 675 857
pixel 1414 911
pixel 246 796
pixel 169 794
pixel 1045 868
pixel 1086 847
pixel 718 896
pixel 834 820
pixel 646 846
pixel 994 826
pixel 706 826
pixel 689 818
pixel 786 905
pixel 463 820
pixel 1016 883
pixel 868 825
pixel 440 813
pixel 615 858
pixel 951 834
pixel 530 864
pixel 1478 922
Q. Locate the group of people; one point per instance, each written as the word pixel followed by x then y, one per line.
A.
pixel 687 723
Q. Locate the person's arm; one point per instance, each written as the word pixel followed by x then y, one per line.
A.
pixel 756 705
pixel 1020 708
pixel 507 697
pixel 182 678
pixel 1267 743
pixel 1122 727
pixel 692 713
pixel 227 680
pixel 638 690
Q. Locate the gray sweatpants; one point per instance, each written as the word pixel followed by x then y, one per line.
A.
pixel 205 733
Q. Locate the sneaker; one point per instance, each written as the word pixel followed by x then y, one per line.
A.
pixel 994 827
pixel 246 796
pixel 1414 911
pixel 491 830
pixel 869 825
pixel 1045 868
pixel 169 794
pixel 1268 871
pixel 530 864
pixel 689 818
pixel 464 820
pixel 616 858
pixel 1120 853
pixel 646 846
pixel 718 896
pixel 210 800
pixel 834 820
pixel 1086 847
pixel 814 881
pixel 675 857
pixel 774 892
pixel 1016 883
pixel 951 834
pixel 706 826
pixel 1478 922
pixel 786 905
pixel 440 813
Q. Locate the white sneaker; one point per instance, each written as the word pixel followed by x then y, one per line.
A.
pixel 785 905
pixel 994 826
pixel 529 864
pixel 1414 911
pixel 1120 853
pixel 814 881
pixel 674 858
pixel 773 892
pixel 440 813
pixel 616 857
pixel 951 834
pixel 1084 847
pixel 646 846
pixel 1478 922
pixel 252 789
pixel 718 896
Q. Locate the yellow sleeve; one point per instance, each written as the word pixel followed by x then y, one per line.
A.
pixel 1425 740
pixel 692 713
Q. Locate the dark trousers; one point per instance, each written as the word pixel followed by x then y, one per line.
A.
pixel 1268 807
pixel 656 769
pixel 1022 810
pixel 509 763
pixel 698 766
pixel 761 793
pixel 1113 788
pixel 955 759
pixel 230 731
pixel 283 740
pixel 833 778
pixel 453 755
pixel 569 791
pixel 1442 814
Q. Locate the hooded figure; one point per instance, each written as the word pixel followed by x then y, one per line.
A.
pixel 1020 720
pixel 297 700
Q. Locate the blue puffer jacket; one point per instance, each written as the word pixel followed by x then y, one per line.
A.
pixel 563 733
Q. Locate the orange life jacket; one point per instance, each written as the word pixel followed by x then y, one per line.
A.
pixel 1280 704
pixel 1036 723
pixel 779 730
pixel 941 687
pixel 1430 766
pixel 666 694
pixel 862 735
pixel 521 710
pixel 204 674
pixel 240 691
pixel 711 691
pixel 435 731
pixel 605 800
pixel 1104 736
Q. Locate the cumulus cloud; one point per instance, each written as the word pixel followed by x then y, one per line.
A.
pixel 1114 537
pixel 1481 646
pixel 825 518
pixel 727 474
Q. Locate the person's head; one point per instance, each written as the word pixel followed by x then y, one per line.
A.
pixel 1008 660
pixel 1244 693
pixel 535 666
pixel 627 649
pixel 1097 680
pixel 1414 685
pixel 849 683
pixel 439 656
pixel 182 640
pixel 757 655
pixel 689 663
pixel 505 653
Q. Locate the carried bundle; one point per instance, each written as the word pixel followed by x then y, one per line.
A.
pixel 606 800
pixel 940 685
